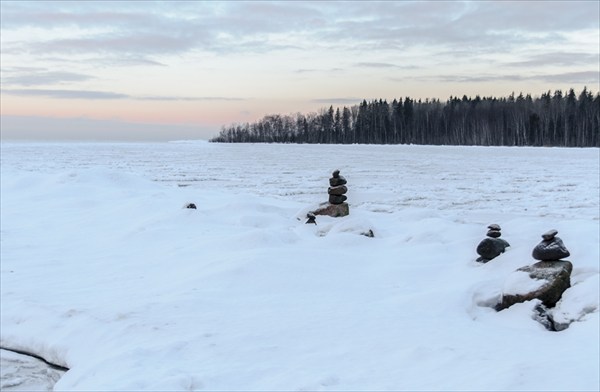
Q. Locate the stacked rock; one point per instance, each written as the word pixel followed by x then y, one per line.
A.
pixel 337 188
pixel 337 206
pixel 492 246
pixel 551 248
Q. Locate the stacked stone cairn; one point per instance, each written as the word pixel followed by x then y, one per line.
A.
pixel 337 206
pixel 555 274
pixel 337 188
pixel 551 248
pixel 492 246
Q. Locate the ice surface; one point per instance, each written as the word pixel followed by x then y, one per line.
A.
pixel 24 373
pixel 105 272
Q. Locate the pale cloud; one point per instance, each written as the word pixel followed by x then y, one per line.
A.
pixel 51 128
pixel 251 26
pixel 375 65
pixel 227 58
pixel 44 78
pixel 580 77
pixel 340 101
pixel 141 43
pixel 65 94
pixel 314 70
pixel 558 58
pixel 175 98
pixel 107 95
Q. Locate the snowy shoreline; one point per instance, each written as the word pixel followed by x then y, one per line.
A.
pixel 105 271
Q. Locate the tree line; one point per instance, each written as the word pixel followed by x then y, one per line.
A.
pixel 556 119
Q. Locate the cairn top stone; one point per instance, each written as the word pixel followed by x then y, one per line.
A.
pixel 550 234
pixel 494 226
pixel 335 174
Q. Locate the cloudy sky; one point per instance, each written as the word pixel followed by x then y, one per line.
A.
pixel 180 70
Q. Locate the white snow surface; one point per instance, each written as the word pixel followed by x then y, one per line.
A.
pixel 105 272
pixel 519 282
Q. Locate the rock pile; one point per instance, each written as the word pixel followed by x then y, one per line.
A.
pixel 553 274
pixel 492 246
pixel 337 188
pixel 551 248
pixel 337 206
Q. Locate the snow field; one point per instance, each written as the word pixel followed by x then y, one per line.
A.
pixel 105 272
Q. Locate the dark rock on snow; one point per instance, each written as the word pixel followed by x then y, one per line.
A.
pixel 336 179
pixel 311 218
pixel 337 199
pixel 336 207
pixel 491 248
pixel 191 205
pixel 494 233
pixel 550 234
pixel 557 275
pixel 369 234
pixel 551 248
pixel 337 190
pixel 333 210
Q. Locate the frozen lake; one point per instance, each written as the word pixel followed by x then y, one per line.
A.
pixel 555 181
pixel 104 272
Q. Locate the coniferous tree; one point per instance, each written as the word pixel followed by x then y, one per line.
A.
pixel 553 119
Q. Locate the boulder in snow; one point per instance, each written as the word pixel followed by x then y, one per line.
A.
pixel 333 210
pixel 545 280
pixel 491 248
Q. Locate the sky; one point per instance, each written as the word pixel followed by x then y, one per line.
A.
pixel 116 70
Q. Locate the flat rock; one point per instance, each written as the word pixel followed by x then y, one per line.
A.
pixel 494 233
pixel 337 199
pixel 337 190
pixel 554 278
pixel 333 210
pixel 550 234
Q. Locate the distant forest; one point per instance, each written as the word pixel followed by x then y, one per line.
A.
pixel 549 120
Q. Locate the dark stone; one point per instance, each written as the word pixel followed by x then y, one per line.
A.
pixel 335 174
pixel 494 226
pixel 550 234
pixel 552 249
pixel 337 181
pixel 557 275
pixel 491 248
pixel 337 190
pixel 311 218
pixel 337 199
pixel 369 234
pixel 191 205
pixel 333 210
pixel 494 233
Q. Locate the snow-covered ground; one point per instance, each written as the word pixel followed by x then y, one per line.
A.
pixel 105 272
